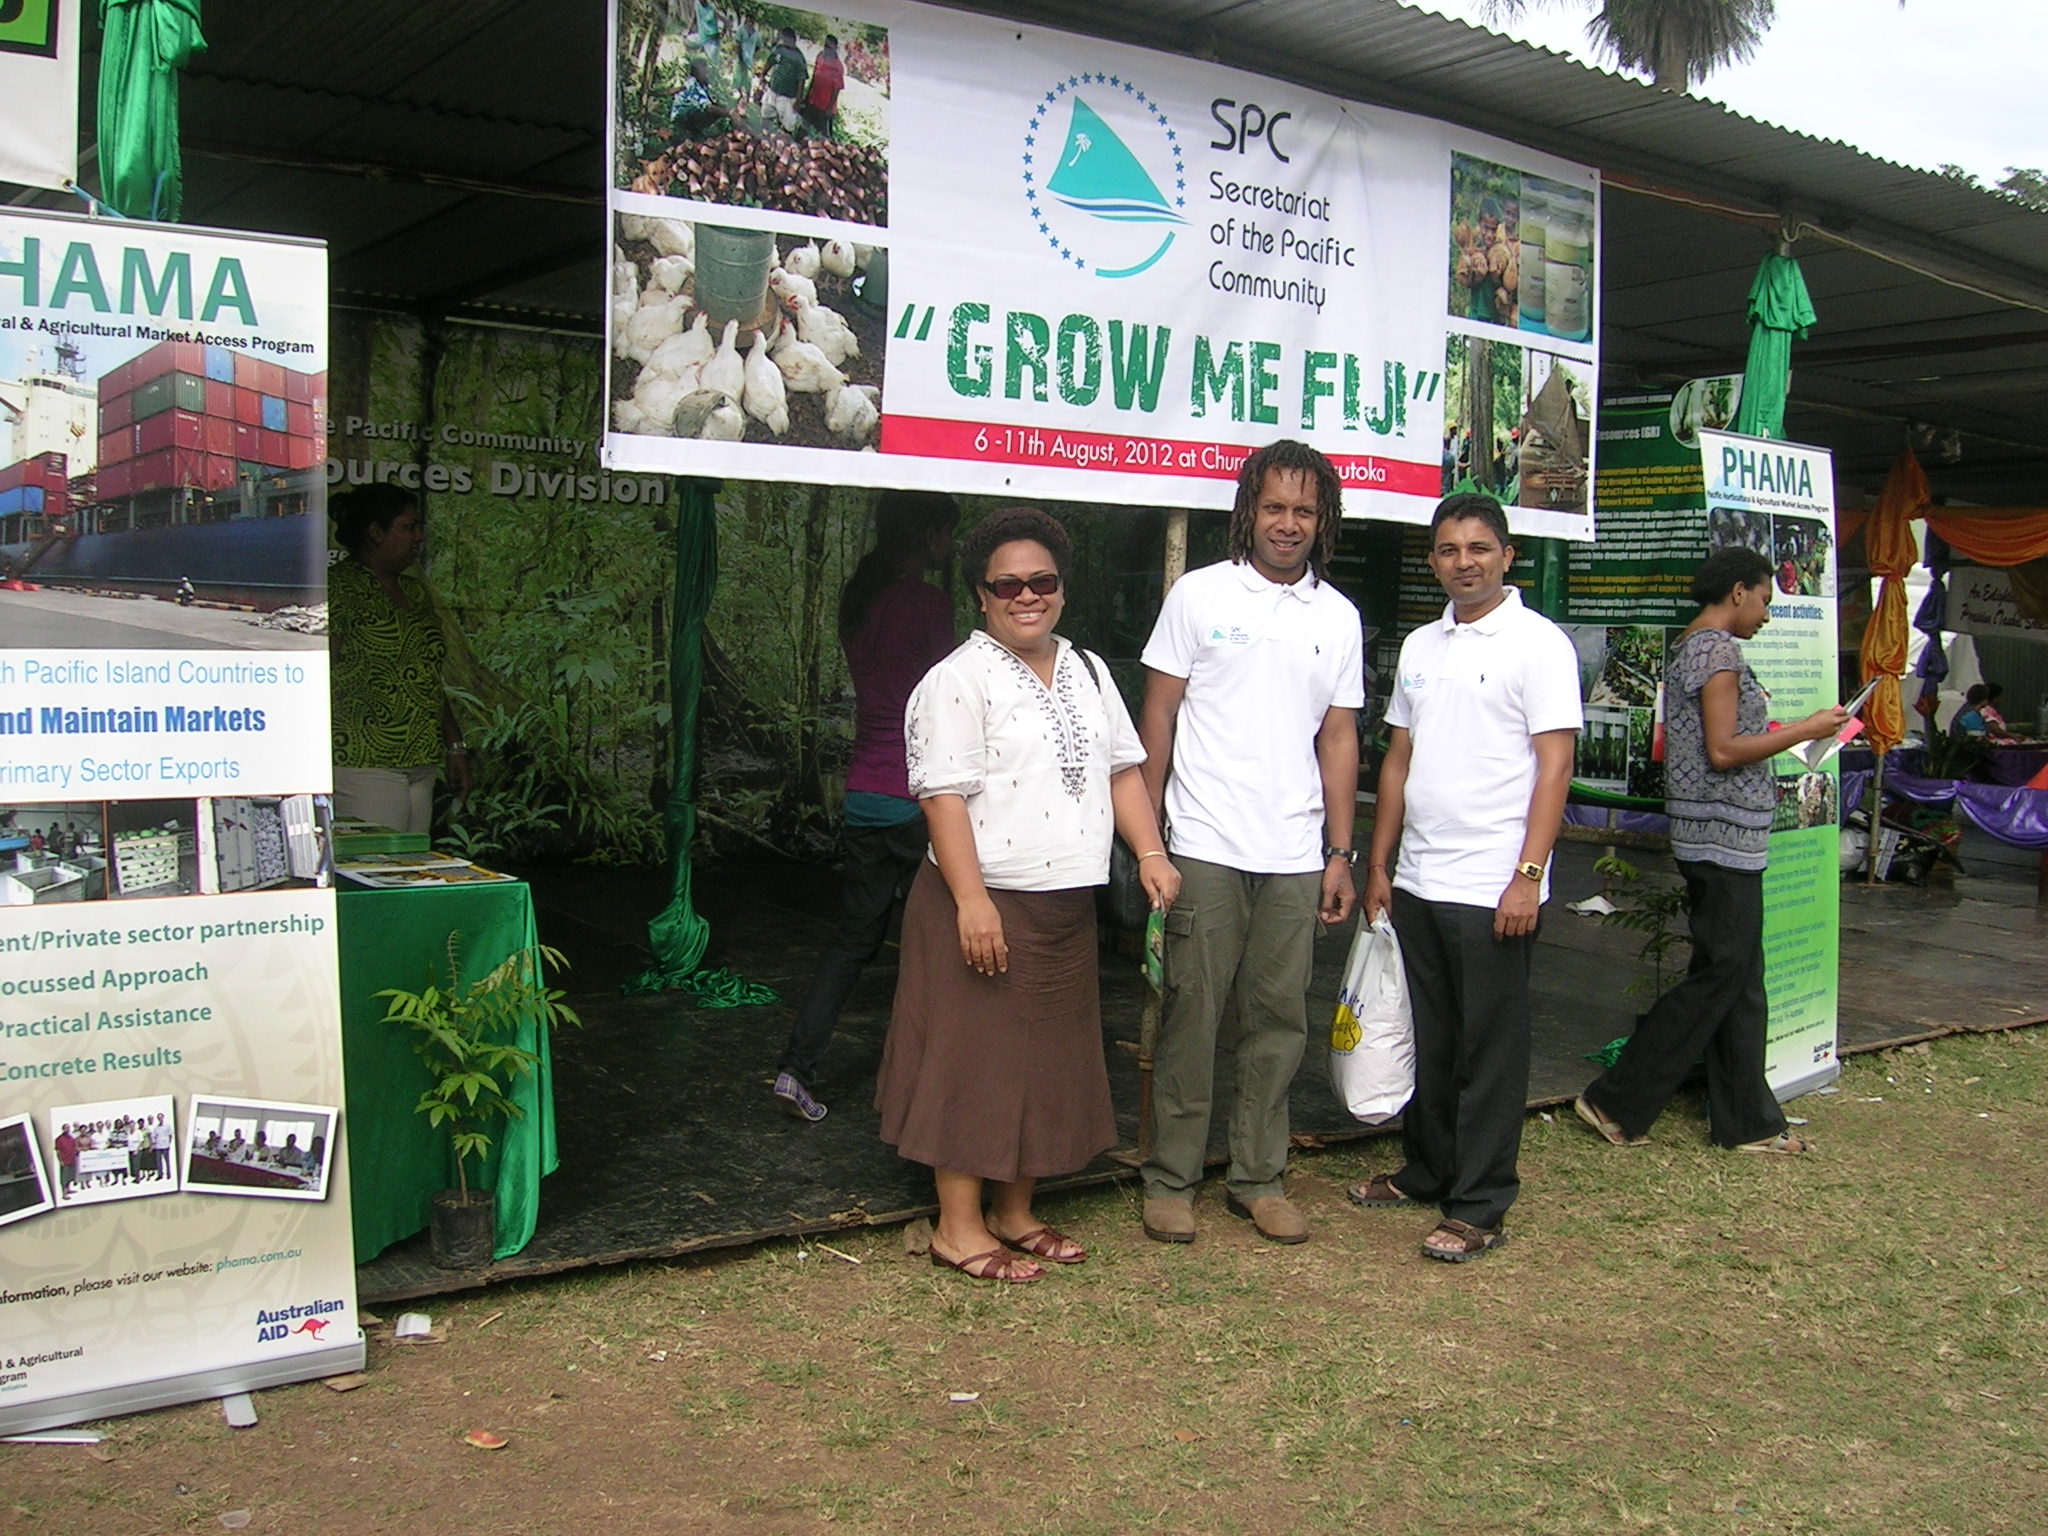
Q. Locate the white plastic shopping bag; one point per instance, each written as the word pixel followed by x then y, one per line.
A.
pixel 1372 1038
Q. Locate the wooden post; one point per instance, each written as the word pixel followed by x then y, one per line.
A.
pixel 1876 815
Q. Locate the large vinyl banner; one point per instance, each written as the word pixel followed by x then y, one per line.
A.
pixel 1672 489
pixel 39 83
pixel 1779 498
pixel 173 1206
pixel 896 245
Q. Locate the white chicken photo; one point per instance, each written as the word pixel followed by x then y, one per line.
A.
pixel 731 335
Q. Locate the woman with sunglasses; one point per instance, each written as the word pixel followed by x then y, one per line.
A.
pixel 1025 760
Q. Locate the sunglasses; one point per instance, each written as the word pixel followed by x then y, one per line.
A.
pixel 1010 588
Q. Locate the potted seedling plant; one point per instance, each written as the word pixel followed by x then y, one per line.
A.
pixel 465 1034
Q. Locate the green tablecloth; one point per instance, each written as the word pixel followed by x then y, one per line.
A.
pixel 396 1162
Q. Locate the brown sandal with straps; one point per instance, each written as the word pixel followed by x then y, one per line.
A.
pixel 996 1265
pixel 1047 1243
pixel 1472 1241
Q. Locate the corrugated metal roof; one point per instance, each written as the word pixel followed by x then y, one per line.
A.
pixel 452 155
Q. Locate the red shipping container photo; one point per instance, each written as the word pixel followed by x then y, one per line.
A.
pixel 115 480
pixel 220 399
pixel 248 406
pixel 117 412
pixel 272 448
pixel 245 371
pixel 116 446
pixel 270 377
pixel 155 471
pixel 220 435
pixel 298 386
pixel 298 418
pixel 116 381
pixel 305 452
pixel 217 472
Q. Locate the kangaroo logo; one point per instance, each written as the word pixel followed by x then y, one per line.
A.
pixel 313 1325
pixel 1103 201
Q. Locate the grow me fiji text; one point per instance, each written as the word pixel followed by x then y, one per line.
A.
pixel 1091 362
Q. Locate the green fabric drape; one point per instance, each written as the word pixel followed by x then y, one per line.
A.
pixel 678 934
pixel 1779 313
pixel 144 44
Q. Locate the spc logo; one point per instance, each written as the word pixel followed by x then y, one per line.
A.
pixel 1099 157
pixel 310 1318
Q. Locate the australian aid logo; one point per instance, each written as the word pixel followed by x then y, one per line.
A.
pixel 1104 179
pixel 310 1319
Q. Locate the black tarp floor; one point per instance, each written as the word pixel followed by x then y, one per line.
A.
pixel 670 1143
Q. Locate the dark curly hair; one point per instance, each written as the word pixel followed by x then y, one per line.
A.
pixel 1724 570
pixel 1288 457
pixel 355 512
pixel 1006 525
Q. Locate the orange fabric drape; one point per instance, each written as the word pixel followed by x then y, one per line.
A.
pixel 1889 543
pixel 1993 535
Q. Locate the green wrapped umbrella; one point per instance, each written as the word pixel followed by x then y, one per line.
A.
pixel 678 934
pixel 144 44
pixel 1779 313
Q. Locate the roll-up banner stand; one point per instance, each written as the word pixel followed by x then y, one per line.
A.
pixel 1672 489
pixel 174 1218
pixel 960 254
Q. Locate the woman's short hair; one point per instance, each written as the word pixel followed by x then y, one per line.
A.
pixel 1726 569
pixel 1976 694
pixel 355 512
pixel 1006 525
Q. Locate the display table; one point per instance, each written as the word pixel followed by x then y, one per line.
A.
pixel 397 1162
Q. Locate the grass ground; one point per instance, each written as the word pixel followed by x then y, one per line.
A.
pixel 1678 1340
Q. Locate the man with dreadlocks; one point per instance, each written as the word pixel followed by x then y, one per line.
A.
pixel 1253 685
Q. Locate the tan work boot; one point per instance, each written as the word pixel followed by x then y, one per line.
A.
pixel 1274 1216
pixel 1170 1221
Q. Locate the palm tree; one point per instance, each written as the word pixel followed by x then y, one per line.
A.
pixel 1677 43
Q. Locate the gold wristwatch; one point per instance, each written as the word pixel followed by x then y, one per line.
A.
pixel 1530 870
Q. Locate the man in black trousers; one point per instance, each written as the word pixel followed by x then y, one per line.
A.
pixel 1484 714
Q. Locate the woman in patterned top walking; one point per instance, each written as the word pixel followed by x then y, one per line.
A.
pixel 1720 794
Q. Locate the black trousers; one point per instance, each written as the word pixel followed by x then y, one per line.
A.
pixel 1469 993
pixel 1717 1011
pixel 879 863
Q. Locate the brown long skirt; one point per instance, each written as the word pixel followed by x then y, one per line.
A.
pixel 1003 1076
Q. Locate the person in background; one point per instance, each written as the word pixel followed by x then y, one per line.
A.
pixel 746 40
pixel 695 112
pixel 894 627
pixel 1484 718
pixel 1720 794
pixel 1025 759
pixel 394 729
pixel 1253 679
pixel 783 75
pixel 1979 715
pixel 828 78
pixel 67 1161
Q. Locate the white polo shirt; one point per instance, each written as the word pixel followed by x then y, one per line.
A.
pixel 1264 662
pixel 1471 696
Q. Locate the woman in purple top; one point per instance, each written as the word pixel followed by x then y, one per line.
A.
pixel 893 625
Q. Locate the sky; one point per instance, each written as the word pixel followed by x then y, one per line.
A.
pixel 1935 82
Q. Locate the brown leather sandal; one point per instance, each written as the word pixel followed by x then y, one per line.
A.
pixel 1047 1243
pixel 996 1265
pixel 1472 1241
pixel 1378 1192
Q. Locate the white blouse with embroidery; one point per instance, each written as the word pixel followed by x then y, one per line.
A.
pixel 1033 763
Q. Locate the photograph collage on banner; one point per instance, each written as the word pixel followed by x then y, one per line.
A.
pixel 166 901
pixel 1097 272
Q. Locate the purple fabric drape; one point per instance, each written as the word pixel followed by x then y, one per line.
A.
pixel 2016 817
